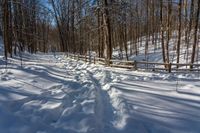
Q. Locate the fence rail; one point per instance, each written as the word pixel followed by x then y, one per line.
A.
pixel 139 65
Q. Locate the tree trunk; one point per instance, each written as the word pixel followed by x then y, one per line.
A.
pixel 162 31
pixel 107 33
pixel 6 28
pixel 179 32
pixel 195 35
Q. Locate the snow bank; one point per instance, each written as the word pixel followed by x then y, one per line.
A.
pixel 55 94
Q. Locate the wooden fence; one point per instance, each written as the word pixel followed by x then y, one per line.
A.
pixel 139 65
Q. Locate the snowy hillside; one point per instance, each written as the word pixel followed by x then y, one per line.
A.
pixel 60 95
pixel 155 54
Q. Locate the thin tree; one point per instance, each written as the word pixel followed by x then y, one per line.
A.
pixel 179 31
pixel 195 34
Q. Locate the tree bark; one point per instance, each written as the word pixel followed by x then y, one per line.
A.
pixel 195 35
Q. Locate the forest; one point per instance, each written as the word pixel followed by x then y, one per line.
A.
pixel 79 26
pixel 99 66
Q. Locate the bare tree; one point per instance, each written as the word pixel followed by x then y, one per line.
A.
pixel 195 34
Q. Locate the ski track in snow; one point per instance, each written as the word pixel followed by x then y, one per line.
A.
pixel 60 95
pixel 103 108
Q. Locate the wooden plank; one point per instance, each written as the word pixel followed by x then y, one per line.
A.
pixel 136 64
pixel 186 69
pixel 181 64
pixel 153 63
pixel 121 66
pixel 122 61
pixel 153 68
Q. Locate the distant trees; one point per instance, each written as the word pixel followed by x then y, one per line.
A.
pixel 6 28
pixel 25 26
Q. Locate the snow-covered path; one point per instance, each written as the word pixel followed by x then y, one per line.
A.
pixel 60 95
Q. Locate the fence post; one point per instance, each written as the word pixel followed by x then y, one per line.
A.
pixel 107 62
pixel 94 60
pixel 135 65
pixel 170 67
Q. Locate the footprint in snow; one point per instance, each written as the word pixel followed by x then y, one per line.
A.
pixel 5 78
pixel 135 107
pixel 10 73
pixel 34 81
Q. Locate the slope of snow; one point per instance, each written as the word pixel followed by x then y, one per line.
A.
pixel 155 54
pixel 59 95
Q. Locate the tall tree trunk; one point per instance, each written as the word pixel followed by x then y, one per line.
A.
pixel 6 28
pixel 179 32
pixel 162 31
pixel 107 33
pixel 168 29
pixel 147 29
pixel 195 35
pixel 73 28
pixel 125 36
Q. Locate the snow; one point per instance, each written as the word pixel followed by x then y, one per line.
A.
pixel 155 53
pixel 49 94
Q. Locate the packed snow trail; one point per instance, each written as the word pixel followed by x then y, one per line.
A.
pixel 59 95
